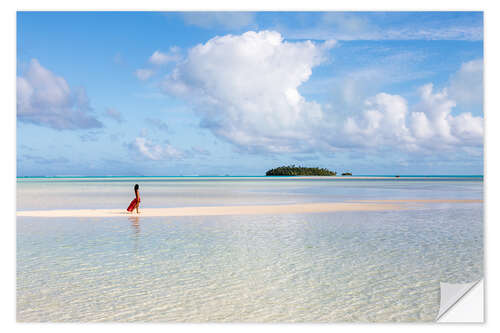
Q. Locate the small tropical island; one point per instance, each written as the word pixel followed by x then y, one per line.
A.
pixel 293 170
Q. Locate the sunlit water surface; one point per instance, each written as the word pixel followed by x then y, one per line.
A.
pixel 318 267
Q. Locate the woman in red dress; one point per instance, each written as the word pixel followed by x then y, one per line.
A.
pixel 135 203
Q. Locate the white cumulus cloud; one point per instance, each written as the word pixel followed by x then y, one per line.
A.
pixel 46 99
pixel 160 58
pixel 383 122
pixel 146 148
pixel 246 89
pixel 430 125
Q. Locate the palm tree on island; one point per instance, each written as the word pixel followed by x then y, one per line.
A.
pixel 293 170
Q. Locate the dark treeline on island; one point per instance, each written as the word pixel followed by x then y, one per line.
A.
pixel 292 170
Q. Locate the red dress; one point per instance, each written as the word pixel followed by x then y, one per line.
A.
pixel 133 203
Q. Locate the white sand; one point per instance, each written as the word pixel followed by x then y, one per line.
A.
pixel 219 210
pixel 366 205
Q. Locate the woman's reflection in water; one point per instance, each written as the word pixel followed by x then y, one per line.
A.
pixel 137 230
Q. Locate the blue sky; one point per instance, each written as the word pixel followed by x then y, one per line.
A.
pixel 239 93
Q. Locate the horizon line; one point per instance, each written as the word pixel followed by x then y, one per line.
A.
pixel 222 176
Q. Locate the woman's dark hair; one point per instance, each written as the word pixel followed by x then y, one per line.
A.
pixel 136 187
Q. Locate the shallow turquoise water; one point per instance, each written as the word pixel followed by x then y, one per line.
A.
pixel 168 192
pixel 321 267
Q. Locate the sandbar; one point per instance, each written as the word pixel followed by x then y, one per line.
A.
pixel 362 205
pixel 216 210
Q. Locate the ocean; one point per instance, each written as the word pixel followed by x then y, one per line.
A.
pixel 346 266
